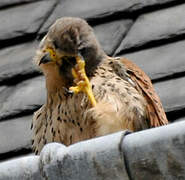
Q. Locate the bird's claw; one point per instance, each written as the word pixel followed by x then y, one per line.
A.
pixel 68 91
pixel 82 81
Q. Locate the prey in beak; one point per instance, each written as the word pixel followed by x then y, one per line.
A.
pixel 80 80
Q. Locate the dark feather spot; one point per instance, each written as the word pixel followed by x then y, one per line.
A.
pixel 65 120
pixel 78 124
pixel 32 141
pixel 126 88
pixel 38 115
pixel 31 125
pixel 51 101
pixel 127 103
pixel 36 152
pixel 110 70
pixel 81 129
pixel 37 131
pixel 129 92
pixel 60 97
pixel 59 106
pixel 102 68
pixel 59 119
pixel 70 139
pixel 102 75
pixel 146 87
pixel 136 98
pixel 73 121
pixel 119 79
pixel 155 101
pixel 39 140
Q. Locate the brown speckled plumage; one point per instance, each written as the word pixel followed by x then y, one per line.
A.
pixel 124 94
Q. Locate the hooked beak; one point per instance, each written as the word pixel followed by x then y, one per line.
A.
pixel 45 59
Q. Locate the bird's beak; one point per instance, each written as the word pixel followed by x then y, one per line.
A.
pixel 50 56
pixel 45 59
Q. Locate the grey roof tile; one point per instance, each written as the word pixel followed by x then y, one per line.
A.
pixel 110 34
pixel 16 61
pixel 5 92
pixel 98 9
pixel 172 93
pixel 24 97
pixel 161 61
pixel 5 3
pixel 156 153
pixel 154 26
pixel 24 19
pixel 15 134
pixel 29 164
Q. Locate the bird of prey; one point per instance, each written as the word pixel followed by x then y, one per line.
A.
pixel 89 94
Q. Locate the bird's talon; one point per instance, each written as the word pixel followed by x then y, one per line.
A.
pixel 74 89
pixel 68 92
pixel 81 80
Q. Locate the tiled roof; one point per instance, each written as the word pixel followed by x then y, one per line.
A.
pixel 151 154
pixel 150 33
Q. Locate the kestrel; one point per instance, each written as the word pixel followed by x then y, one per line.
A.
pixel 89 94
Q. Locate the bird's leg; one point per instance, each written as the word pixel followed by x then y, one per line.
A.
pixel 82 81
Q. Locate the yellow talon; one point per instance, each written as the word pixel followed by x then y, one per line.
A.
pixel 79 74
pixel 82 80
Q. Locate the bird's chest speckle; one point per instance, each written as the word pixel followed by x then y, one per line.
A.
pixel 69 120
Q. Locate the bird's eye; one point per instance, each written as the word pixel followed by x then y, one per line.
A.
pixel 56 46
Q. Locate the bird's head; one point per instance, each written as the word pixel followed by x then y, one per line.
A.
pixel 66 39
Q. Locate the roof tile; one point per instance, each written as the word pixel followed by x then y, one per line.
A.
pixel 16 61
pixel 109 34
pixel 155 26
pixel 98 9
pixel 172 93
pixel 161 61
pixel 26 96
pixel 15 134
pixel 24 19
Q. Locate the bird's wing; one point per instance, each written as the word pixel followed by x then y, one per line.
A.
pixel 156 114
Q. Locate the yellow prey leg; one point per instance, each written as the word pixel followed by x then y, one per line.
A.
pixel 82 81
